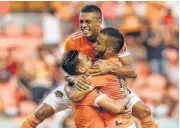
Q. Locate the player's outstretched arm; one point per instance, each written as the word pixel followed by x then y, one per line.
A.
pixel 127 69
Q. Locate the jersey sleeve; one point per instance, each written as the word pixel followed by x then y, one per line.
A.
pixel 123 52
pixel 69 44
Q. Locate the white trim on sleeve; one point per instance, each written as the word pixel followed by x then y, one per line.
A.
pixel 99 98
pixel 123 54
pixel 132 126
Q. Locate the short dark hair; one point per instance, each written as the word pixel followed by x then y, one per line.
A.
pixel 115 34
pixel 92 8
pixel 70 61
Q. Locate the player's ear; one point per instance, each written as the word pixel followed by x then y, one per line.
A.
pixel 110 49
pixel 81 70
pixel 99 22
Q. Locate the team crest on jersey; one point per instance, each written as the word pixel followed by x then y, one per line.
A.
pixel 119 122
pixel 58 94
pixel 97 90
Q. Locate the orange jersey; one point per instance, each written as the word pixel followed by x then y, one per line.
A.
pixel 87 116
pixel 111 86
pixel 76 41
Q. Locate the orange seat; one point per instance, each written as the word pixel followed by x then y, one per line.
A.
pixel 12 30
pixel 34 30
pixel 156 81
pixel 4 7
pixel 27 107
pixel 26 46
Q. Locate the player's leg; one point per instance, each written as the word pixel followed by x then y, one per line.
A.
pixel 52 104
pixel 37 117
pixel 141 111
pixel 44 111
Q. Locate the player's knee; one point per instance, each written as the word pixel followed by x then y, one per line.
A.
pixel 44 112
pixel 40 114
pixel 146 111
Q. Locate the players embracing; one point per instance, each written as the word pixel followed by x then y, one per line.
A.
pixel 82 41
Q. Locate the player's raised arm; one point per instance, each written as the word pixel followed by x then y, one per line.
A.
pixel 127 69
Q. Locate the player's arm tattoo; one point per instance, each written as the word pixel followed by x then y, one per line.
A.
pixel 75 95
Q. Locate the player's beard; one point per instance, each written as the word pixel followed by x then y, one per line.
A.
pixel 92 38
pixel 99 55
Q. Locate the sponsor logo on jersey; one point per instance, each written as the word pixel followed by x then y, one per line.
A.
pixel 58 94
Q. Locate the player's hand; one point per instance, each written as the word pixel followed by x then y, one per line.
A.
pixel 82 83
pixel 127 112
pixel 101 67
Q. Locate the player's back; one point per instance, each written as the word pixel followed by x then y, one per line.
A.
pixel 76 41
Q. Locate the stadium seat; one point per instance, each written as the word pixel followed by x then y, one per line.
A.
pixel 34 30
pixel 27 107
pixel 12 30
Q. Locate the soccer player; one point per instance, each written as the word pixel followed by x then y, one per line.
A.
pixel 82 41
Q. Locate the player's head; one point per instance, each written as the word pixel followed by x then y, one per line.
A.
pixel 90 19
pixel 109 41
pixel 75 62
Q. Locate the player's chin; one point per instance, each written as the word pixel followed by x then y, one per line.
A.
pixel 87 35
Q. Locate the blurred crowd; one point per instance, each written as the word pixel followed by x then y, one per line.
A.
pixel 30 51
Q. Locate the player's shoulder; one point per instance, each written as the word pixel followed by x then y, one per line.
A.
pixel 59 91
pixel 61 86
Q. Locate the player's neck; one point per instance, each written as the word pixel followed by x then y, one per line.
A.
pixel 93 38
